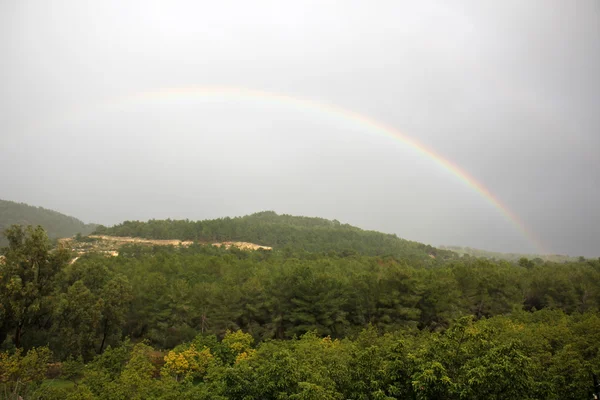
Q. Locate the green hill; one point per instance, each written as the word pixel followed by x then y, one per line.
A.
pixel 282 231
pixel 57 225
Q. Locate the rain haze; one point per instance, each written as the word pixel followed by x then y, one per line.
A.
pixel 113 111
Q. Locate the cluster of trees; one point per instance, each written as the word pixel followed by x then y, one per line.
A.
pixel 154 321
pixel 57 225
pixel 42 303
pixel 542 355
pixel 279 231
pixel 176 292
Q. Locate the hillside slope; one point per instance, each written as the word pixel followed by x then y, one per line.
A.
pixel 281 231
pixel 57 225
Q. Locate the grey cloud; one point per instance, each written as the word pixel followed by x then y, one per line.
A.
pixel 508 91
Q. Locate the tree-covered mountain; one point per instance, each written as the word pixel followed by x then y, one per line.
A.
pixel 57 225
pixel 282 231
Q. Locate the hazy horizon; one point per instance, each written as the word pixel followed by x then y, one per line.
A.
pixel 508 92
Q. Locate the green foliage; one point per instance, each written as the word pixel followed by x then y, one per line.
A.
pixel 29 274
pixel 210 323
pixel 501 357
pixel 72 369
pixel 21 374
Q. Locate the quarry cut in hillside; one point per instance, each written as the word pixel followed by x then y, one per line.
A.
pixel 121 240
pixel 109 245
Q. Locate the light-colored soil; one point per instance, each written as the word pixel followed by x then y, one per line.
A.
pixel 127 239
pixel 243 245
pixel 109 245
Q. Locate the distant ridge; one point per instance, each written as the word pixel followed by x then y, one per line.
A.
pixel 494 255
pixel 56 224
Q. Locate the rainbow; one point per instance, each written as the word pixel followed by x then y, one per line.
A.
pixel 359 120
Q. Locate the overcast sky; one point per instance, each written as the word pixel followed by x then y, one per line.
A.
pixel 509 91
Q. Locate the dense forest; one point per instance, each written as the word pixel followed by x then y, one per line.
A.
pixel 336 319
pixel 281 231
pixel 57 225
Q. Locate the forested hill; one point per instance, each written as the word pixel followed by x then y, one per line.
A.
pixel 57 225
pixel 281 231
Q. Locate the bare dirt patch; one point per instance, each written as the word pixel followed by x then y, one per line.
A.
pixel 109 245
pixel 133 240
pixel 242 246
